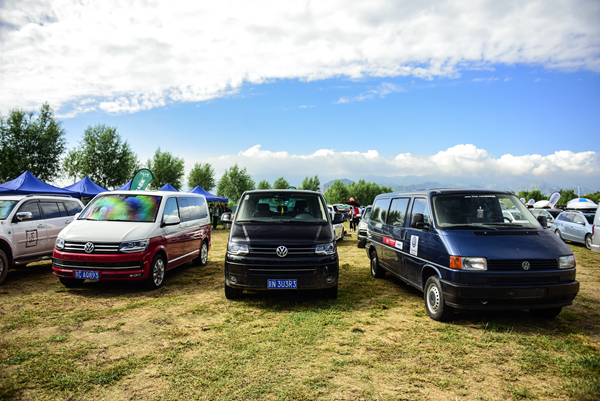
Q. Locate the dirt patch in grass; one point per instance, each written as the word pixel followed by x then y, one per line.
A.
pixel 375 342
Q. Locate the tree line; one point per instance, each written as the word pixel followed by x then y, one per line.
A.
pixel 35 141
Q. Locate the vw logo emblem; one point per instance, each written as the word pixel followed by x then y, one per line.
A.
pixel 525 265
pixel 282 251
pixel 89 247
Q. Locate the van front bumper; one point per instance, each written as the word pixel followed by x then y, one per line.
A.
pixel 254 273
pixel 509 297
pixel 122 267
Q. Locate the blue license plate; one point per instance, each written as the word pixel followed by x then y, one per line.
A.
pixel 87 275
pixel 282 284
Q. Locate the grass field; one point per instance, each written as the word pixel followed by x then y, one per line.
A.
pixel 375 342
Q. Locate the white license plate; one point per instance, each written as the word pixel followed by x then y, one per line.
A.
pixel 87 275
pixel 273 284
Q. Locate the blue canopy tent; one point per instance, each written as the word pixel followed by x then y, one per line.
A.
pixel 125 187
pixel 27 184
pixel 209 197
pixel 168 187
pixel 86 188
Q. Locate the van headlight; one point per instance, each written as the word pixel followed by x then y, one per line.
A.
pixel 468 263
pixel 134 246
pixel 237 249
pixel 566 262
pixel 325 249
pixel 59 244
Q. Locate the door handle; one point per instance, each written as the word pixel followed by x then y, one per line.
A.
pixel 41 225
pixel 67 221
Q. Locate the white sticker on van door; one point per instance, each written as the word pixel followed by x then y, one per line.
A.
pixel 414 245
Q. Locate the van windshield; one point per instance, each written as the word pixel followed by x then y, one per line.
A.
pixel 121 207
pixel 5 208
pixel 282 207
pixel 481 210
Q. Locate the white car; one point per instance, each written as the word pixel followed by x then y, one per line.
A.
pixel 338 229
pixel 29 225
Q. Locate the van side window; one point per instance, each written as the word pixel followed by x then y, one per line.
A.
pixel 33 208
pixel 201 203
pixel 380 210
pixel 194 208
pixel 50 210
pixel 184 208
pixel 171 208
pixel 420 206
pixel 73 207
pixel 397 214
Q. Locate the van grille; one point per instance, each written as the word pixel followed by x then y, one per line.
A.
pixel 99 247
pixel 517 264
pixel 293 251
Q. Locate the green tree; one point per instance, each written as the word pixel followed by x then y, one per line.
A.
pixel 281 183
pixel 264 184
pixel 535 194
pixel 234 182
pixel 71 166
pixel 166 168
pixel 365 192
pixel 593 197
pixel 566 196
pixel 311 183
pixel 337 192
pixel 31 142
pixel 203 175
pixel 103 156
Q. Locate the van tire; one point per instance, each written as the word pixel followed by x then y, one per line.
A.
pixel 588 241
pixel 233 293
pixel 202 260
pixel 3 266
pixel 558 234
pixel 71 282
pixel 156 275
pixel 331 292
pixel 434 300
pixel 376 270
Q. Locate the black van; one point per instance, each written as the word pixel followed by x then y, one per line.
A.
pixel 456 246
pixel 281 240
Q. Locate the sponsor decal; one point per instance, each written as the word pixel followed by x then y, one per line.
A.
pixel 392 242
pixel 32 238
pixel 414 245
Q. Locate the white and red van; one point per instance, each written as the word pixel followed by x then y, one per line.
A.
pixel 133 236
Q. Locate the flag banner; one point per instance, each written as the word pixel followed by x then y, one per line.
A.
pixel 553 199
pixel 141 179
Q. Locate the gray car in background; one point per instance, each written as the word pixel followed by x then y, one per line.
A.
pixel 595 246
pixel 576 226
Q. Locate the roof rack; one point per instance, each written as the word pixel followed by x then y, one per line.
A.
pixel 58 196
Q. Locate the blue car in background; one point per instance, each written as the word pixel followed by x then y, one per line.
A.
pixel 576 226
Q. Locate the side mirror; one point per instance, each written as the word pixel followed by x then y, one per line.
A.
pixel 417 221
pixel 338 218
pixel 171 221
pixel 226 218
pixel 543 220
pixel 22 216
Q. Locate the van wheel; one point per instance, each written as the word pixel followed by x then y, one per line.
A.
pixel 588 241
pixel 548 313
pixel 558 234
pixel 331 293
pixel 376 270
pixel 233 293
pixel 71 282
pixel 202 260
pixel 156 276
pixel 434 300
pixel 3 266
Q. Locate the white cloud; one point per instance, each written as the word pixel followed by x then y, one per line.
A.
pixel 461 161
pixel 381 91
pixel 122 57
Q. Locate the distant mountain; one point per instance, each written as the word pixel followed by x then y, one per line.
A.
pixel 413 183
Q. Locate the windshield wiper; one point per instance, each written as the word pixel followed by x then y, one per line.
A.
pixel 503 224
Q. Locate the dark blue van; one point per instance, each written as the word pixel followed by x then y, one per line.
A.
pixel 457 247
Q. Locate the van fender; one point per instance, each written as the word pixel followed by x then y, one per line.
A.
pixel 428 271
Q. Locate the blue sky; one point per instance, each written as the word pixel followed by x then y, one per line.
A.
pixel 442 89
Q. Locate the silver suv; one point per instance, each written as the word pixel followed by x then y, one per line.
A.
pixel 29 225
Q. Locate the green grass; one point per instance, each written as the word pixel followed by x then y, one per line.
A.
pixel 375 342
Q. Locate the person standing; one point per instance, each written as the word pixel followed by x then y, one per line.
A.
pixel 355 217
pixel 216 215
